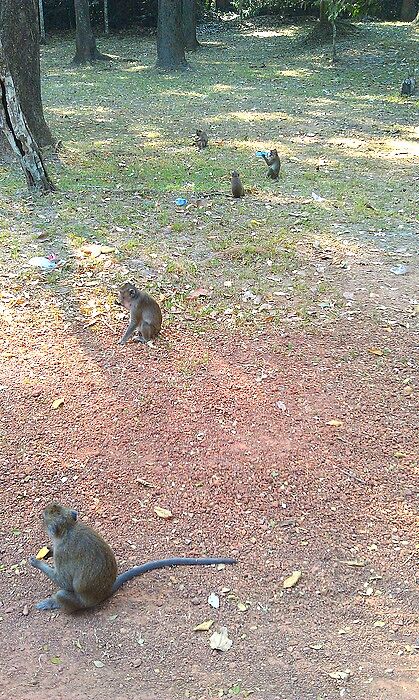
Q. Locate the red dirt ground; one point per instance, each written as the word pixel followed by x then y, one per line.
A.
pixel 279 489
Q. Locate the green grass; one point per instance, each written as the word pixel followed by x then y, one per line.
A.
pixel 127 133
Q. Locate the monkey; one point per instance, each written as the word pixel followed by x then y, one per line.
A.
pixel 237 188
pixel 145 313
pixel 408 87
pixel 272 160
pixel 85 568
pixel 201 139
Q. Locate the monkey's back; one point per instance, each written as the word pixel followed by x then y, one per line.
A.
pixel 86 563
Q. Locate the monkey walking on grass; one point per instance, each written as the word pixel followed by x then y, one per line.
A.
pixel 145 313
pixel 85 569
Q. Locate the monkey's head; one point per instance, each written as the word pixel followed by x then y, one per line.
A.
pixel 234 173
pixel 127 293
pixel 273 152
pixel 199 132
pixel 57 519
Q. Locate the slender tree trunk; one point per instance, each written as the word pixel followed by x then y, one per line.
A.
pixel 19 32
pixel 408 10
pixel 324 21
pixel 14 126
pixel 170 41
pixel 189 25
pixel 416 20
pixel 86 50
pixel 106 16
pixel 43 37
pixel 334 52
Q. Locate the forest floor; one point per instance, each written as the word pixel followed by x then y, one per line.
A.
pixel 275 417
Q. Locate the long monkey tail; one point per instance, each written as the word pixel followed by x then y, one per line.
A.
pixel 163 563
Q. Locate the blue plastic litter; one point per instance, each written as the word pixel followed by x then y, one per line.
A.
pixel 181 201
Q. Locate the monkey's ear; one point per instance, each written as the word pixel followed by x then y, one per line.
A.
pixel 73 514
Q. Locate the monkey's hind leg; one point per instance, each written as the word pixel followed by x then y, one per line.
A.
pixel 61 599
pixel 48 604
pixel 146 332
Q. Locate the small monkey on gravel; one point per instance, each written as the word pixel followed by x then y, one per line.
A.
pixel 273 163
pixel 145 313
pixel 201 139
pixel 85 569
pixel 237 189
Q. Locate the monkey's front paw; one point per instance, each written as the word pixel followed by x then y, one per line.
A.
pixel 33 561
pixel 122 342
pixel 48 604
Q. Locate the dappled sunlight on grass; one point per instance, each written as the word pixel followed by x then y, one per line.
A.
pixel 342 132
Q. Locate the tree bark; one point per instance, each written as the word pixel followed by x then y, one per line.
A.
pixel 189 25
pixel 106 16
pixel 416 20
pixel 43 37
pixel 170 41
pixel 14 126
pixel 408 10
pixel 19 32
pixel 324 21
pixel 86 49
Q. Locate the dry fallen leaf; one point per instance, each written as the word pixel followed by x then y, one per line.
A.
pixel 292 580
pixel 163 513
pixel 42 553
pixel 145 483
pixel 25 611
pixel 98 664
pixel 353 562
pixel 340 675
pixel 316 647
pixel 376 351
pixel 335 422
pixel 200 292
pixel 242 607
pixel 57 403
pixel 55 660
pixel 94 249
pixel 204 626
pixel 379 623
pixel 220 640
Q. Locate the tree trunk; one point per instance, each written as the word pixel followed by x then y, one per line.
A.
pixel 106 16
pixel 334 52
pixel 408 11
pixel 416 20
pixel 42 21
pixel 324 21
pixel 19 32
pixel 15 128
pixel 86 50
pixel 170 41
pixel 189 25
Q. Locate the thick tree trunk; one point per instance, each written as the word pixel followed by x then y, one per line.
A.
pixel 42 22
pixel 408 11
pixel 189 25
pixel 170 41
pixel 19 31
pixel 86 50
pixel 14 127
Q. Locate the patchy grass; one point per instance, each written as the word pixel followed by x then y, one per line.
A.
pixel 343 132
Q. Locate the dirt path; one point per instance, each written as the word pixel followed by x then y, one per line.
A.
pixel 233 435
